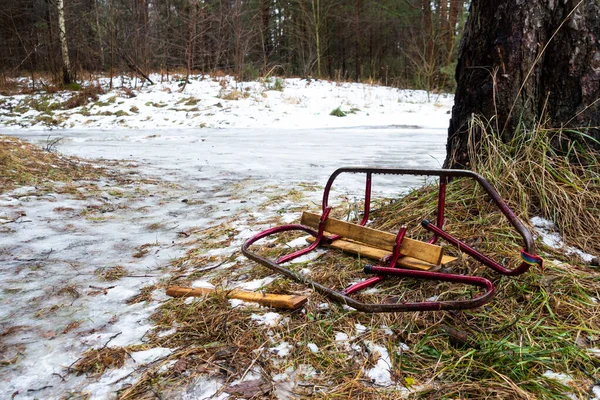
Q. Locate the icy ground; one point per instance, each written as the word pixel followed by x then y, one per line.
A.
pixel 59 246
pixel 72 258
pixel 60 249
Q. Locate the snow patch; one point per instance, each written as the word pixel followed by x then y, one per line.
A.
pixel 285 383
pixel 380 374
pixel 595 395
pixel 256 283
pixel 313 347
pixel 298 242
pixel 151 355
pixel 546 230
pixel 203 389
pixel 203 284
pixel 269 319
pixel 282 350
pixel 360 328
pixel 558 376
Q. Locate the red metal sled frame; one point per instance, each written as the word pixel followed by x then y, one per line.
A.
pixel 528 251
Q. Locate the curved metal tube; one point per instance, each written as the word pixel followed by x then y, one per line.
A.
pixel 444 174
pixel 437 231
pixel 374 307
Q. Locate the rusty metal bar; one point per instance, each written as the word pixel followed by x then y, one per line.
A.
pixel 319 238
pixel 528 251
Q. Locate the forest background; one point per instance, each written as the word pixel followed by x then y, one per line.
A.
pixel 401 43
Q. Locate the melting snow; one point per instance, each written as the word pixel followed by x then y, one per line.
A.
pixel 562 378
pixel 202 284
pixel 185 179
pixel 268 319
pixel 147 356
pixel 285 383
pixel 547 232
pixel 360 328
pixel 203 389
pixel 380 373
pixel 256 284
pixel 283 349
pixel 313 347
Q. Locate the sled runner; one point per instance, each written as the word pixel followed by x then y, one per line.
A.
pixel 397 255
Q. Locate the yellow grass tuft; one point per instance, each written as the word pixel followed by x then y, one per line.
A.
pixel 22 163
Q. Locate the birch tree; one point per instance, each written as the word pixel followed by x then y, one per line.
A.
pixel 64 47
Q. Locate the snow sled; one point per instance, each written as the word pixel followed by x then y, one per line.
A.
pixel 397 255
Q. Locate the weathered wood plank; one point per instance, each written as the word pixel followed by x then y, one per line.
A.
pixel 379 254
pixel 430 253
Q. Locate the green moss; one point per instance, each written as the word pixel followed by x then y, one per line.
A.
pixel 73 86
pixel 46 120
pixel 153 104
pixel 189 101
pixel 337 112
pixel 278 85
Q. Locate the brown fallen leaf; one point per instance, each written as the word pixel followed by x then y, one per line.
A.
pixel 71 326
pixel 249 389
pixel 48 334
pixel 180 366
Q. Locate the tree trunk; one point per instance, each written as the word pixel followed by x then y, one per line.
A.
pixel 112 42
pixel 445 28
pixel 356 40
pixel 265 16
pixel 524 62
pixel 100 34
pixel 456 7
pixel 316 10
pixel 62 34
pixel 142 35
pixel 193 16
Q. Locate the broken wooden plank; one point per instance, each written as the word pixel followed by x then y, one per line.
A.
pixel 290 302
pixel 430 253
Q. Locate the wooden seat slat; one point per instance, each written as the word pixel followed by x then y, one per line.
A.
pixel 378 254
pixel 374 238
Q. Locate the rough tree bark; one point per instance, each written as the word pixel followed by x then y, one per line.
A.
pixel 357 35
pixel 265 31
pixel 525 61
pixel 190 46
pixel 62 34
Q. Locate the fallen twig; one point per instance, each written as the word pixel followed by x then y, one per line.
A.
pixel 105 290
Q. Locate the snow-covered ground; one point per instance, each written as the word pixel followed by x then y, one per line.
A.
pixel 187 161
pixel 222 102
pixel 180 175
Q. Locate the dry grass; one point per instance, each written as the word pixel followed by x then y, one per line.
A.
pixel 113 274
pixel 506 357
pixel 22 163
pixel 96 361
pixel 544 172
pixel 232 94
pixel 540 321
pixel 145 295
pixel 83 96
